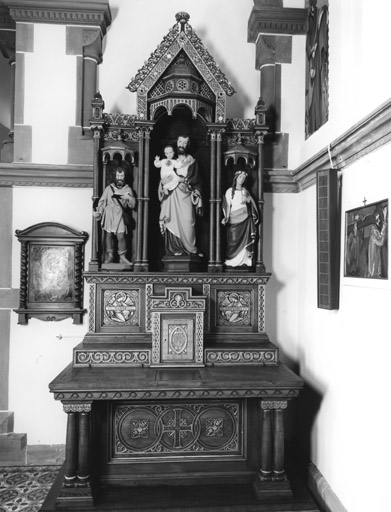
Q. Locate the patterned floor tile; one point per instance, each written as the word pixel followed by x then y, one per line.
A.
pixel 24 488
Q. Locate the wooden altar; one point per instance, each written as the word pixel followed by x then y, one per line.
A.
pixel 176 384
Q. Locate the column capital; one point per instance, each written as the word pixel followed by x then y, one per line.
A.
pixel 144 127
pixel 260 135
pixel 273 404
pixel 275 19
pixel 76 12
pixel 77 407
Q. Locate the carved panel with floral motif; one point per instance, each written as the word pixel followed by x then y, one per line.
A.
pixel 166 429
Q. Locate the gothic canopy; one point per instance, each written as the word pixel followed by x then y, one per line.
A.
pixel 181 71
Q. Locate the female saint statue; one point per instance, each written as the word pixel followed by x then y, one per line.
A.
pixel 240 218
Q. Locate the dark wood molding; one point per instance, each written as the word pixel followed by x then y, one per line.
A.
pixel 276 20
pixel 367 135
pixel 91 12
pixel 41 175
pixel 280 180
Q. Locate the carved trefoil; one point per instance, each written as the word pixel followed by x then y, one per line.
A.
pixel 178 328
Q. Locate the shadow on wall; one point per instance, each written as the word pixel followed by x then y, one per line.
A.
pixel 240 101
pixel 4 131
pixel 308 406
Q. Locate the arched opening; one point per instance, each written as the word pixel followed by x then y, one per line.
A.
pixel 166 131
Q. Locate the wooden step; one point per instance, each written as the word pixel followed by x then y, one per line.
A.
pixel 13 449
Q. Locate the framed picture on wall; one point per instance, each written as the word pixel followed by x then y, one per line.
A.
pixel 366 241
pixel 51 281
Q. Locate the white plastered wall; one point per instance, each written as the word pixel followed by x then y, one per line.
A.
pixel 344 354
pixel 50 94
pixel 37 354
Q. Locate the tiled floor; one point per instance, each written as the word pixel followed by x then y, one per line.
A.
pixel 24 488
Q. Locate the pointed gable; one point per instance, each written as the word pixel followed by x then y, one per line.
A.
pixel 181 71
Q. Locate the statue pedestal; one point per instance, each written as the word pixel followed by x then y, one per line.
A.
pixel 117 267
pixel 182 263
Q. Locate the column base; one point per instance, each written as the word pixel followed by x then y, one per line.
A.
pixel 75 498
pixel 271 487
pixel 215 267
pixel 141 267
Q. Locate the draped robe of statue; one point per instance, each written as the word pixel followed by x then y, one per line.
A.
pixel 241 218
pixel 178 211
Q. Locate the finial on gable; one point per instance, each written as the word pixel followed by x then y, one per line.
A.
pixel 182 18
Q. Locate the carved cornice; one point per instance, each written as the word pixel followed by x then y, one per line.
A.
pixel 276 20
pixel 40 175
pixel 249 392
pixel 147 278
pixel 369 134
pixel 91 12
pixel 279 180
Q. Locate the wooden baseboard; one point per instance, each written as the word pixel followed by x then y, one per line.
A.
pixel 316 483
